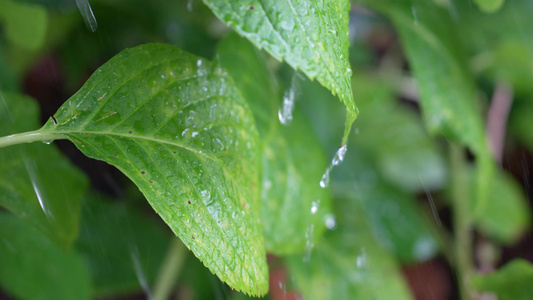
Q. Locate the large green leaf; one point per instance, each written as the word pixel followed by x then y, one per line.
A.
pixel 25 24
pixel 293 206
pixel 309 35
pixel 177 127
pixel 348 263
pixel 121 246
pixel 37 183
pixel 447 92
pixel 512 282
pixel 34 268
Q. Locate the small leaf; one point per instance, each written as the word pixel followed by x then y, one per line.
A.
pixel 34 268
pixel 177 127
pixel 512 282
pixel 25 24
pixel 310 36
pixel 37 183
pixel 348 264
pixel 293 205
pixel 447 91
pixel 117 242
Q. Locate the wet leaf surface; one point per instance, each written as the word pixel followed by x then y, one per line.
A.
pixel 37 183
pixel 34 268
pixel 177 127
pixel 310 36
pixel 293 205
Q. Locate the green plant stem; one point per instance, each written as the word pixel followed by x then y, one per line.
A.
pixel 169 270
pixel 29 137
pixel 462 226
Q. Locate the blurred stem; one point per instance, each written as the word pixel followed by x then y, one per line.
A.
pixel 29 137
pixel 169 271
pixel 463 238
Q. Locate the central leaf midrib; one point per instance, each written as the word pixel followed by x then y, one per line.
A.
pixel 140 137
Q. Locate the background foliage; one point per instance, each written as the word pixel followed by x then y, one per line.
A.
pixel 435 182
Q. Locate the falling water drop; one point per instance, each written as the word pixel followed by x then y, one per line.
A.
pixel 413 11
pixel 87 14
pixel 285 112
pixel 309 243
pixel 141 276
pixel 189 5
pixel 361 260
pixel 31 167
pixel 314 206
pixel 330 222
pixel 337 159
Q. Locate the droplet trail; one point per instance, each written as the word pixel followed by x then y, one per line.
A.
pixel 87 14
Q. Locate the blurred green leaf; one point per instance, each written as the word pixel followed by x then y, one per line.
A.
pixel 178 128
pixel 348 263
pixel 403 151
pixel 121 246
pixel 392 214
pixel 8 81
pixel 447 92
pixel 511 282
pixel 51 4
pixel 37 183
pixel 293 205
pixel 521 122
pixel 309 36
pixel 506 214
pixel 394 217
pixel 502 50
pixel 489 5
pixel 25 24
pixel 33 268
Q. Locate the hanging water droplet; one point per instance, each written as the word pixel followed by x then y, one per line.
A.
pixel 87 14
pixel 337 159
pixel 285 112
pixel 48 142
pixel 324 182
pixel 339 156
